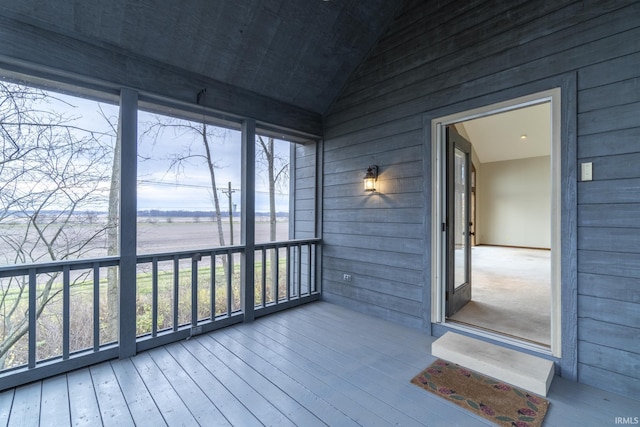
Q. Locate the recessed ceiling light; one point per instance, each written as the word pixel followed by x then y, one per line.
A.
pixel 523 136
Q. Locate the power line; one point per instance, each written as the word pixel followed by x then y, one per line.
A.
pixel 175 184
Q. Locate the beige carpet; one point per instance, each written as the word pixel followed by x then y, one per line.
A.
pixel 511 292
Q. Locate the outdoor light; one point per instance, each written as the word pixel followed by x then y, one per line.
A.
pixel 370 178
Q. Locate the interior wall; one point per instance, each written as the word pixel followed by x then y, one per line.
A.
pixel 443 57
pixel 514 198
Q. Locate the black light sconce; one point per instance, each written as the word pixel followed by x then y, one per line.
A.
pixel 370 179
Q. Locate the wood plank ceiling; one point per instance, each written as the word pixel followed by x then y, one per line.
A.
pixel 296 51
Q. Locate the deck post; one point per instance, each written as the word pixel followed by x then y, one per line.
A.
pixel 128 127
pixel 248 218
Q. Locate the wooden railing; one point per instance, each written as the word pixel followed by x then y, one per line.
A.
pixel 178 294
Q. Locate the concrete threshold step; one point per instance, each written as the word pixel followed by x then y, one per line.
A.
pixel 519 369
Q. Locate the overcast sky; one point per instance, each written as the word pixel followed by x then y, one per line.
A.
pixel 164 187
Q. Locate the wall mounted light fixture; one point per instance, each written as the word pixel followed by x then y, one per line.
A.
pixel 370 179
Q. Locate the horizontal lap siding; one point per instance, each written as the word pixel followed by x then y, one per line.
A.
pixel 609 231
pixel 441 56
pixel 376 238
pixel 305 191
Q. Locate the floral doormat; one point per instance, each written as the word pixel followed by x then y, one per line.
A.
pixel 501 403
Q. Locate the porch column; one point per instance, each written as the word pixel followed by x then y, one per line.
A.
pixel 128 127
pixel 248 235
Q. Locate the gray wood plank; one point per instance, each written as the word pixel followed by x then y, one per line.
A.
pixel 201 407
pixel 552 54
pixel 619 166
pixel 609 215
pixel 173 409
pixel 371 309
pixel 321 409
pixel 384 229
pixel 259 406
pixel 614 287
pixel 611 381
pixel 6 401
pixel 610 95
pixel 609 334
pixel 395 246
pixel 113 407
pixel 615 70
pixel 401 215
pixel 343 366
pixel 141 405
pixel 293 410
pixel 375 144
pixel 321 382
pixel 386 195
pixel 412 277
pixel 233 409
pixel 610 359
pixel 574 404
pixel 390 302
pixel 324 371
pixel 395 288
pixel 610 311
pixel 374 132
pixel 54 408
pixel 613 191
pixel 346 187
pixel 394 390
pixel 609 263
pixel 609 239
pixel 366 255
pixel 82 399
pixel 401 163
pixel 437 92
pixel 454 51
pixel 396 335
pixel 381 345
pixel 609 143
pixel 25 411
pixel 607 119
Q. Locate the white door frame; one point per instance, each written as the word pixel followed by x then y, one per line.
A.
pixel 439 242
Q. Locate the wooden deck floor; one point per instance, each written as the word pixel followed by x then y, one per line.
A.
pixel 318 364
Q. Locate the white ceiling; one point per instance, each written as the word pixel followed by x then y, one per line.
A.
pixel 498 137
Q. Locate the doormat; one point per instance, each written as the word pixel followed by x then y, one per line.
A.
pixel 496 401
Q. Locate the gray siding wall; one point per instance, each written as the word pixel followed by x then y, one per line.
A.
pixel 304 208
pixel 443 55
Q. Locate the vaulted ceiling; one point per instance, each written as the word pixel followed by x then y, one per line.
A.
pixel 300 52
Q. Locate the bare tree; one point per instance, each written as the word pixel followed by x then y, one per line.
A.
pixel 277 168
pixel 52 173
pixel 197 150
pixel 113 234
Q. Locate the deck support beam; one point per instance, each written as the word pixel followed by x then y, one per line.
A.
pixel 128 132
pixel 248 235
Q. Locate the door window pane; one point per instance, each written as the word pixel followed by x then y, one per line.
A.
pixel 461 221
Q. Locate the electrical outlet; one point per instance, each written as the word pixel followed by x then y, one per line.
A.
pixel 346 277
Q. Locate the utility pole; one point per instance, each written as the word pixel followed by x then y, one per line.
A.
pixel 229 193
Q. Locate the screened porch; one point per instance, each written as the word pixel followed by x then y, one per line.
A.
pixel 317 364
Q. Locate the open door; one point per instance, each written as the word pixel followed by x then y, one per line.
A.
pixel 458 221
